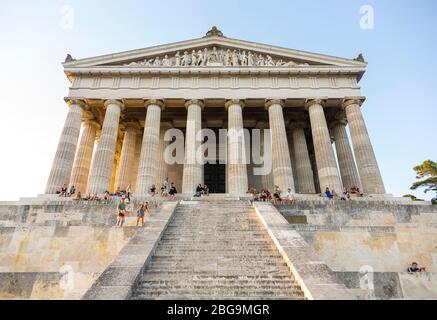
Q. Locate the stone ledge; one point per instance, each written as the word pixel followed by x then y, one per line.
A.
pixel 117 281
pixel 316 279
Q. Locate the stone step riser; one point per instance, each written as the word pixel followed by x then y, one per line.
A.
pixel 216 250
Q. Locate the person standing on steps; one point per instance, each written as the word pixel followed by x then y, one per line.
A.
pixel 121 213
pixel 128 192
pixel 141 212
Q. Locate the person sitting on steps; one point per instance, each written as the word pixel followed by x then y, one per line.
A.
pixel 329 195
pixel 63 192
pixel 277 195
pixel 199 191
pixel 288 198
pixel 172 191
pixel 415 268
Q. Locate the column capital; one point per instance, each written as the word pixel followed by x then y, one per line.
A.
pixel 155 102
pixel 271 102
pixel 312 101
pixel 116 102
pixel 189 103
pixel 347 101
pixel 79 102
pixel 233 102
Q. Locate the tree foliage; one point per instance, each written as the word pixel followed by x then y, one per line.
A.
pixel 427 176
pixel 412 197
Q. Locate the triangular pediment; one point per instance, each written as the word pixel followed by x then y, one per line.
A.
pixel 214 50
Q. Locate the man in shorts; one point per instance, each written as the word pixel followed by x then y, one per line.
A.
pixel 141 212
pixel 121 213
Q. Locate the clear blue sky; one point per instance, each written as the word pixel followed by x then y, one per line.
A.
pixel 400 84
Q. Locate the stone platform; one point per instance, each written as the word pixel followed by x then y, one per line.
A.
pixel 55 248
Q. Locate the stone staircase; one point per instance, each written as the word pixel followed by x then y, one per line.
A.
pixel 216 250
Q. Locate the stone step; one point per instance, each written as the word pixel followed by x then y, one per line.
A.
pixel 216 250
pixel 236 291
pixel 211 295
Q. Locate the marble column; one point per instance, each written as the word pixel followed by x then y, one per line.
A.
pixel 237 170
pixel 293 160
pixel 282 170
pixel 266 180
pixel 163 168
pixel 368 169
pixel 346 162
pixel 63 162
pixel 103 161
pixel 193 173
pixel 149 150
pixel 304 171
pixel 325 159
pixel 136 162
pixel 123 177
pixel 82 162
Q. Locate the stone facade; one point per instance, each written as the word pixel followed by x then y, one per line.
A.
pixel 216 83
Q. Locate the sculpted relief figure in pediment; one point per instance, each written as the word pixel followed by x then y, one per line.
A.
pixel 214 58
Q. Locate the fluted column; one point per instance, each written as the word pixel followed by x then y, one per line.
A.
pixel 325 159
pixel 304 171
pixel 282 170
pixel 266 180
pixel 101 168
pixel 162 169
pixel 123 177
pixel 366 160
pixel 63 162
pixel 82 162
pixel 149 150
pixel 346 162
pixel 193 173
pixel 136 161
pixel 237 170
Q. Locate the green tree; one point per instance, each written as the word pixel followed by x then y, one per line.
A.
pixel 427 176
pixel 412 197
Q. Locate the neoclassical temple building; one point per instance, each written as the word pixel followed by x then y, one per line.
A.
pixel 121 105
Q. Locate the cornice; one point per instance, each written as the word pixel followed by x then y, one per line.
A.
pixel 218 41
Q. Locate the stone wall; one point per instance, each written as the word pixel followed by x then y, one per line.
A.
pixel 391 285
pixel 56 250
pixel 381 237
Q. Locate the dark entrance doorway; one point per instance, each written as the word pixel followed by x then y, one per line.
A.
pixel 215 177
